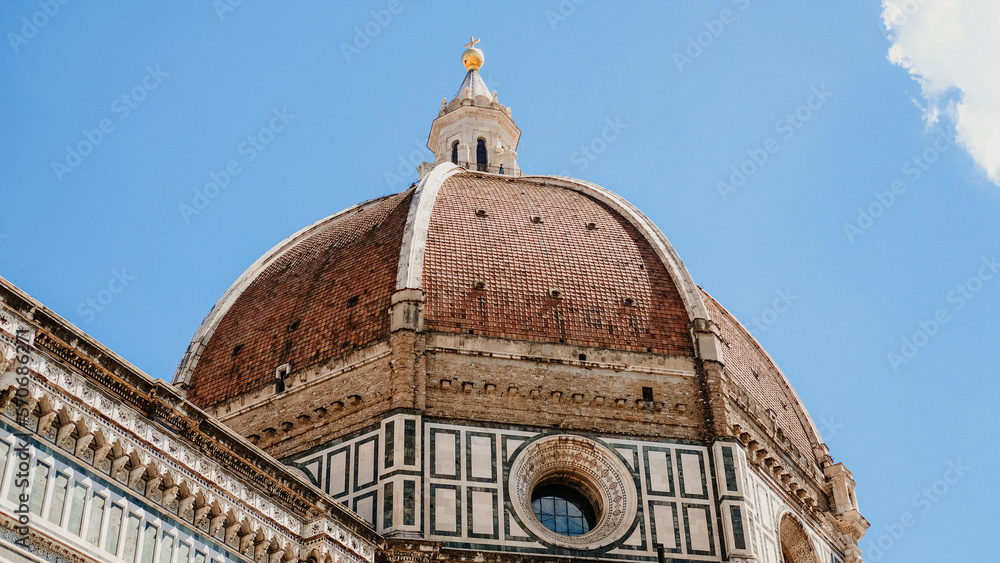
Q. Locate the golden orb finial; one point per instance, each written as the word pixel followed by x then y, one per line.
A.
pixel 472 58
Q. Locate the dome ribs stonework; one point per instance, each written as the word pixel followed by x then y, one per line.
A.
pixel 322 298
pixel 747 363
pixel 513 259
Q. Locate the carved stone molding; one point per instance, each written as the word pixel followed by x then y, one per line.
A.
pixel 582 464
pixel 156 441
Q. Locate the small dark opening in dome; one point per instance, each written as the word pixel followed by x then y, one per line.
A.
pixel 563 509
pixel 237 349
pixel 280 378
pixel 294 325
pixel 352 301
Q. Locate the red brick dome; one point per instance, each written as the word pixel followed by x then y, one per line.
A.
pixel 541 259
pixel 318 294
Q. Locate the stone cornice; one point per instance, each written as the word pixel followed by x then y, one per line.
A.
pixel 104 390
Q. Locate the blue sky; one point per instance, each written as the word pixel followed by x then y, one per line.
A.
pixel 788 160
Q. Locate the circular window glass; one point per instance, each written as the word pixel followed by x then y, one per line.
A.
pixel 563 510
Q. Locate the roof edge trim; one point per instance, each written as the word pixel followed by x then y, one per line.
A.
pixel 414 244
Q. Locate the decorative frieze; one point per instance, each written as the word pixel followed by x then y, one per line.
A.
pixel 94 428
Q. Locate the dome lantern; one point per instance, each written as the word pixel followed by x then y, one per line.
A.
pixel 474 130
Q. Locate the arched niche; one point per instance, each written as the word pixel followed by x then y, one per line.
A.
pixel 795 544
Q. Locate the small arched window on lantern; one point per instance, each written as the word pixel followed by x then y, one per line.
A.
pixel 481 163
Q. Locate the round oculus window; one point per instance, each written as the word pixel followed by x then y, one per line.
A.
pixel 563 509
pixel 573 492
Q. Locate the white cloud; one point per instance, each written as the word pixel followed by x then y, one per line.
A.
pixel 952 48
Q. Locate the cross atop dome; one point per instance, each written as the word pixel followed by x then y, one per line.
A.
pixel 472 58
pixel 474 130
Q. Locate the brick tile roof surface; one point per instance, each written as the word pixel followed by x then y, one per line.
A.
pixel 521 261
pixel 311 284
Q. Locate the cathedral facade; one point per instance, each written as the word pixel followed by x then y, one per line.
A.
pixel 488 366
